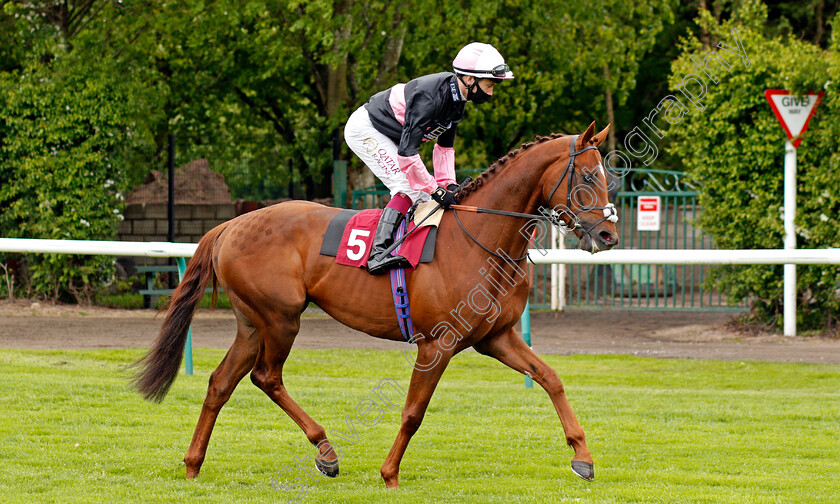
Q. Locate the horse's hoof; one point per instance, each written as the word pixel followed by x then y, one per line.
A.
pixel 583 469
pixel 192 472
pixel 327 467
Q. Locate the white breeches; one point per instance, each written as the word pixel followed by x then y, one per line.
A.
pixel 379 153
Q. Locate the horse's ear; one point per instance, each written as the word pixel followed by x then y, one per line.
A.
pixel 584 139
pixel 600 137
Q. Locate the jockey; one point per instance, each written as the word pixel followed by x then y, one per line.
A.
pixel 386 133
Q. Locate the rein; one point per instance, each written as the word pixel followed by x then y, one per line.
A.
pixel 457 219
pixel 467 208
pixel 609 210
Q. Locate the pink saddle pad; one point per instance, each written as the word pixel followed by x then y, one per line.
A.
pixel 356 240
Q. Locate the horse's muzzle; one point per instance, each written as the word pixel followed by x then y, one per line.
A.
pixel 595 241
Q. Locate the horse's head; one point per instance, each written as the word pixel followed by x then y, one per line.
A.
pixel 575 187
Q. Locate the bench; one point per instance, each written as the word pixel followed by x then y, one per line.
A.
pixel 150 293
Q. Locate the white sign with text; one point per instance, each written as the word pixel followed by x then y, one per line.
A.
pixel 649 209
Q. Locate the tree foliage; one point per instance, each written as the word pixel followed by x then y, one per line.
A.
pixel 91 89
pixel 69 134
pixel 61 142
pixel 735 148
pixel 261 87
pixel 558 52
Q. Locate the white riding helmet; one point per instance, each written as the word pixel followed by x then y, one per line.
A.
pixel 482 61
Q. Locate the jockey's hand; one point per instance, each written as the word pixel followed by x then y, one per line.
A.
pixel 444 197
pixel 457 187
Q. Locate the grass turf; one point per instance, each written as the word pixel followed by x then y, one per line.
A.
pixel 72 431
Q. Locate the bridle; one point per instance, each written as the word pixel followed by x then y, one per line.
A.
pixel 609 210
pixel 552 216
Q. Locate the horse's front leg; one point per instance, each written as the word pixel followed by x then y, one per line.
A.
pixel 509 349
pixel 428 368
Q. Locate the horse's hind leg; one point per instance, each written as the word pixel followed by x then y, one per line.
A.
pixel 510 350
pixel 268 376
pixel 238 361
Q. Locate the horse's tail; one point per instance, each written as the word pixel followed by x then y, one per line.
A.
pixel 159 367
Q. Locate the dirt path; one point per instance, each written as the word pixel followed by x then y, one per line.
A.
pixel 654 333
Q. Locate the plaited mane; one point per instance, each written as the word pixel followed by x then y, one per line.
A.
pixel 485 176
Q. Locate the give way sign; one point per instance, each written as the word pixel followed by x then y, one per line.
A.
pixel 793 111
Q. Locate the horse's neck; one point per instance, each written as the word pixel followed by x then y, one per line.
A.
pixel 514 187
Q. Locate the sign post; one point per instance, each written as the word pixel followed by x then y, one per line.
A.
pixel 789 295
pixel 793 112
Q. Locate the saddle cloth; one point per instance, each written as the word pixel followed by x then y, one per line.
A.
pixel 350 234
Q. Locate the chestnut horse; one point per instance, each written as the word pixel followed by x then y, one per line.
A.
pixel 269 265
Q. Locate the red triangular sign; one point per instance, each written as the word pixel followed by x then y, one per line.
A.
pixel 793 111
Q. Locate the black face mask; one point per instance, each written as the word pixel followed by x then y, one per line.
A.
pixel 474 92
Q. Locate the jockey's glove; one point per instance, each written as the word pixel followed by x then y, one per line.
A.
pixel 457 187
pixel 444 197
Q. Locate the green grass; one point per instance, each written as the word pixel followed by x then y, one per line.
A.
pixel 667 431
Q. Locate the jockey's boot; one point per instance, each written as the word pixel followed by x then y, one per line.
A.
pixel 378 261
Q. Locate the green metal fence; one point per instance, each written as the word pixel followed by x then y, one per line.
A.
pixel 619 286
pixel 648 286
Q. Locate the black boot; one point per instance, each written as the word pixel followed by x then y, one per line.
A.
pixel 379 262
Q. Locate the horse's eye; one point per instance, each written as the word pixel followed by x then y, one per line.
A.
pixel 588 179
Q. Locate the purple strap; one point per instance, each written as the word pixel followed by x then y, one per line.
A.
pixel 400 292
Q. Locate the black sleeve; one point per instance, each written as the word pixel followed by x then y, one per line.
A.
pixel 447 139
pixel 419 112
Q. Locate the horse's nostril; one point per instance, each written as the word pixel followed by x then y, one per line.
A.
pixel 608 238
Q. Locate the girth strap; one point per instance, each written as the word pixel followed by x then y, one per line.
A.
pixel 399 290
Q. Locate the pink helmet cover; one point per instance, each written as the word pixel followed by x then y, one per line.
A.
pixel 481 60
